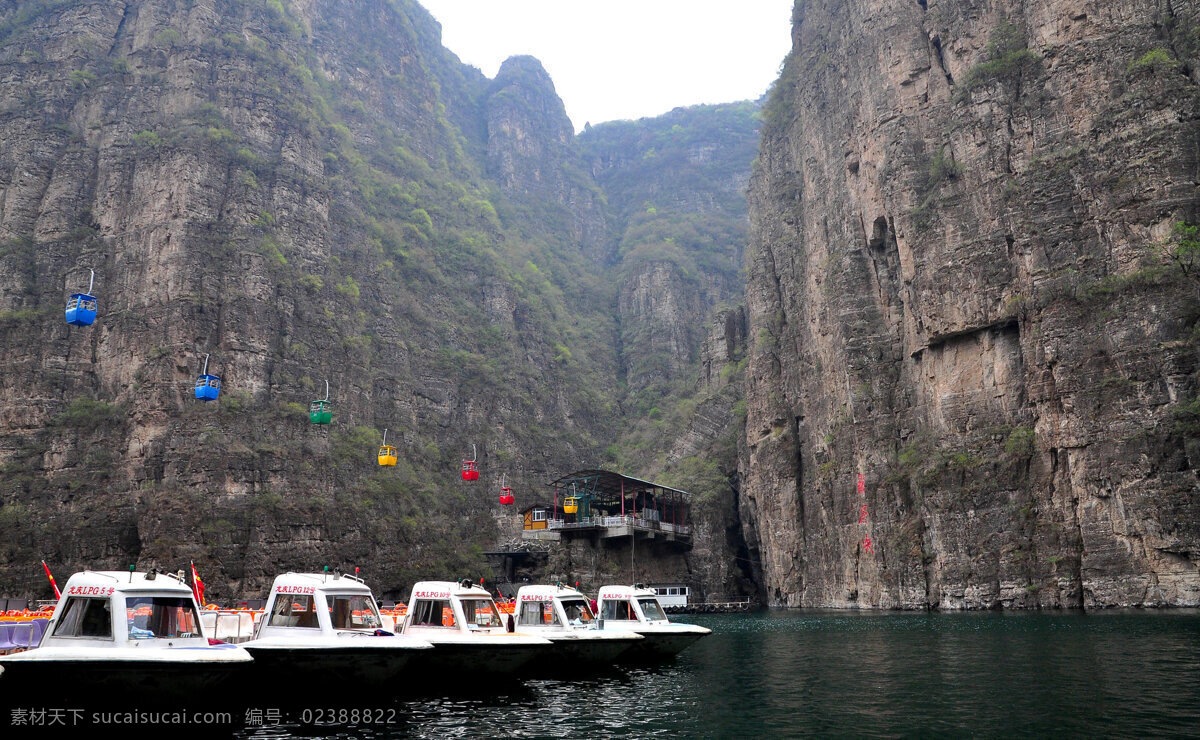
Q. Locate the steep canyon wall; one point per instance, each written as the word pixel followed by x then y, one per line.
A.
pixel 969 283
pixel 314 190
pixel 301 190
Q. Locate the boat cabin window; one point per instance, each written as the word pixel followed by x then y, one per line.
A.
pixel 619 610
pixel 294 610
pixel 577 611
pixel 152 617
pixel 651 609
pixel 537 613
pixel 85 618
pixel 355 612
pixel 432 613
pixel 481 612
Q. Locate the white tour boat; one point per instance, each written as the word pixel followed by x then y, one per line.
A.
pixel 121 633
pixel 562 615
pixel 636 609
pixel 468 632
pixel 327 626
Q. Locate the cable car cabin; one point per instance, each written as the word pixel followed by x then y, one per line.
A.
pixel 387 455
pixel 469 471
pixel 571 505
pixel 320 412
pixel 81 309
pixel 506 496
pixel 208 387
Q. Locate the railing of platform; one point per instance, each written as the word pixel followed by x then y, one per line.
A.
pixel 619 521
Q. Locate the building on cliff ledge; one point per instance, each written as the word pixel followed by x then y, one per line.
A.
pixel 601 505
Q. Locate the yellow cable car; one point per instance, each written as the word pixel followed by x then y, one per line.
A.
pixel 387 453
pixel 571 504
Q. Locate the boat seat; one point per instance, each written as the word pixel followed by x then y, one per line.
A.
pixel 23 636
pixel 243 629
pixel 6 635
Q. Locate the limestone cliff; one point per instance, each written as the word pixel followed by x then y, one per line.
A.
pixel 311 191
pixel 969 283
pixel 675 186
pixel 300 190
pixel 532 154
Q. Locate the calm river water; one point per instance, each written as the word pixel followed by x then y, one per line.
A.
pixel 792 673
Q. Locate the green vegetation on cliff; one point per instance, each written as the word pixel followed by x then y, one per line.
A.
pixel 315 193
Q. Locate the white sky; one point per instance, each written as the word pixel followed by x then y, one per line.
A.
pixel 613 59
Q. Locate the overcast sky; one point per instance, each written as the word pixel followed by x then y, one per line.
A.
pixel 613 59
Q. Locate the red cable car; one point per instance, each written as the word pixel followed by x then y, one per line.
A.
pixel 506 496
pixel 469 471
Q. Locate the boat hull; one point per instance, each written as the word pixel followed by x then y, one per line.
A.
pixel 358 665
pixel 593 649
pixel 118 683
pixel 660 644
pixel 459 662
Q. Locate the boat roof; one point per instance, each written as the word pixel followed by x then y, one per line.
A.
pixel 108 582
pixel 546 593
pixel 307 583
pixel 446 589
pixel 624 592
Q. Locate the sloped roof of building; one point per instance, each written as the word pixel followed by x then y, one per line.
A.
pixel 610 483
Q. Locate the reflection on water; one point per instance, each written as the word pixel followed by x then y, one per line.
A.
pixel 786 673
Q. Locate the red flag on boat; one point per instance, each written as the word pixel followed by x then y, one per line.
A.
pixel 197 586
pixel 54 585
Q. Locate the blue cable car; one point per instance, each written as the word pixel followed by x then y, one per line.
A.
pixel 81 307
pixel 208 387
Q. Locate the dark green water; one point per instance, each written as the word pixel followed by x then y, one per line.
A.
pixel 792 673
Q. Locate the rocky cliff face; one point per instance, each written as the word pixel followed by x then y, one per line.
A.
pixel 308 191
pixel 531 152
pixel 969 284
pixel 300 190
pixel 676 187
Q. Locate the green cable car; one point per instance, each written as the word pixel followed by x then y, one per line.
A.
pixel 320 412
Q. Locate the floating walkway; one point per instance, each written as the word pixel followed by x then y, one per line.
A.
pixel 719 607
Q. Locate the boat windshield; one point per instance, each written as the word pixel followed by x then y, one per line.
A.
pixel 481 613
pixel 577 610
pixel 537 613
pixel 85 618
pixel 152 617
pixel 431 613
pixel 651 609
pixel 356 612
pixel 619 610
pixel 294 610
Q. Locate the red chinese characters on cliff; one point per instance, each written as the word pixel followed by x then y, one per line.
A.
pixel 867 545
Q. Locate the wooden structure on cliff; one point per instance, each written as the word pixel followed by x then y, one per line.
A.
pixel 602 505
